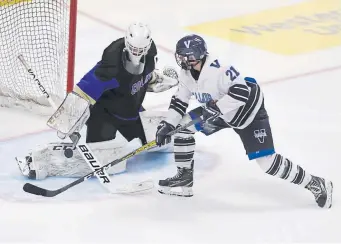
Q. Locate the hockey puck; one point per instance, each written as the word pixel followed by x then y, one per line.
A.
pixel 68 153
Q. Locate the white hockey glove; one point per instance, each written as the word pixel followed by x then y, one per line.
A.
pixel 71 115
pixel 163 81
pixel 211 111
pixel 213 122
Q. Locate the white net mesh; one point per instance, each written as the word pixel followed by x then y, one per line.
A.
pixel 39 30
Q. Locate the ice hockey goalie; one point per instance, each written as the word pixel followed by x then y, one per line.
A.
pixel 108 99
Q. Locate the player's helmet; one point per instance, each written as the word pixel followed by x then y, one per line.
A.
pixel 137 41
pixel 190 50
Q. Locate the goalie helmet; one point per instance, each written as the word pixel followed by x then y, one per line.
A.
pixel 137 41
pixel 190 50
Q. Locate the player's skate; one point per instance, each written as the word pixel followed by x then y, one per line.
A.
pixel 183 180
pixel 322 190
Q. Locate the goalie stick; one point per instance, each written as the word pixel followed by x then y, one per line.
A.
pixel 84 150
pixel 36 190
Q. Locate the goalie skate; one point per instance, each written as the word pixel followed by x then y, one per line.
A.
pixel 322 191
pixel 179 185
pixel 24 165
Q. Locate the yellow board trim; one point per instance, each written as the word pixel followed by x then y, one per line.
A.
pixel 12 2
pixel 295 29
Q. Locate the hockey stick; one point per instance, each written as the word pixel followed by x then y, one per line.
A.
pixel 83 149
pixel 36 190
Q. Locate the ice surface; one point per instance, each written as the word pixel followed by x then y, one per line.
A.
pixel 233 202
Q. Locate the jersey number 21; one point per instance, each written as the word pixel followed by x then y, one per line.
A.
pixel 231 72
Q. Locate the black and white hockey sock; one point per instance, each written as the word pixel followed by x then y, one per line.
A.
pixel 279 166
pixel 184 146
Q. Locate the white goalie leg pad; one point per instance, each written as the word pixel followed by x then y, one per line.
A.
pixel 150 121
pixel 51 161
pixel 28 169
pixel 36 165
pixel 109 151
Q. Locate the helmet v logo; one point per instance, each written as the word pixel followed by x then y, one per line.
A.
pixel 187 43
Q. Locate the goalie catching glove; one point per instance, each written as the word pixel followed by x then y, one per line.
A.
pixel 163 81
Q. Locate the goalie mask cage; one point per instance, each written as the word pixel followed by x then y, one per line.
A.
pixel 44 32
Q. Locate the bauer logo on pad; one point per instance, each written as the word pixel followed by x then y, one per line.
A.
pixel 295 29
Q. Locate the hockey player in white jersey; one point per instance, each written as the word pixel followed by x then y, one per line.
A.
pixel 228 100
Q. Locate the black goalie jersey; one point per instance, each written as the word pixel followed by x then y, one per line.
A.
pixel 112 87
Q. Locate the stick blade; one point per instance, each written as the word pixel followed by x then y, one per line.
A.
pixel 36 190
pixel 134 188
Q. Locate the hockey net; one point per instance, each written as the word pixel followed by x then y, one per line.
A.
pixel 44 32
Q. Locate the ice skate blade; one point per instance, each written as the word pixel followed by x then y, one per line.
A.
pixel 186 191
pixel 134 187
pixel 329 189
pixel 21 162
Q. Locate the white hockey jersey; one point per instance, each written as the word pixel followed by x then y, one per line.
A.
pixel 238 98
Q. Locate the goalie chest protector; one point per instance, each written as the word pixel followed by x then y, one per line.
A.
pixel 125 100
